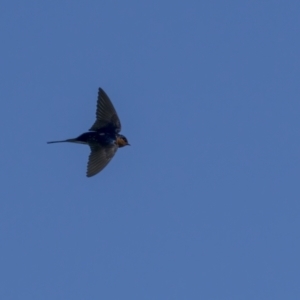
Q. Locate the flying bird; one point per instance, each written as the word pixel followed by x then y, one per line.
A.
pixel 103 137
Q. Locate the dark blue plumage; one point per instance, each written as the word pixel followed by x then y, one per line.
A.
pixel 103 138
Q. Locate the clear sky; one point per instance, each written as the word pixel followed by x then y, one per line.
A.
pixel 205 202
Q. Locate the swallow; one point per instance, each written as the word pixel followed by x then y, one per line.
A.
pixel 103 137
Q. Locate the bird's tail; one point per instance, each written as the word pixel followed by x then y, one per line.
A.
pixel 64 141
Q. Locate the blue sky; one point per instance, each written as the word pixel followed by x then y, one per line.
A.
pixel 204 204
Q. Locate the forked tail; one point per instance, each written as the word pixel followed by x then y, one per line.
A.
pixel 64 141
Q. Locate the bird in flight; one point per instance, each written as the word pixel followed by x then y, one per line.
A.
pixel 103 137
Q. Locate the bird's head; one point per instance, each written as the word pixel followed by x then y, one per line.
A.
pixel 122 141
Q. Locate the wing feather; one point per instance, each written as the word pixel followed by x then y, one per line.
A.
pixel 99 158
pixel 106 115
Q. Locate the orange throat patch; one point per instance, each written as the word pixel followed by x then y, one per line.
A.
pixel 120 142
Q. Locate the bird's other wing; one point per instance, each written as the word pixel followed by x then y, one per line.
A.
pixel 106 115
pixel 99 157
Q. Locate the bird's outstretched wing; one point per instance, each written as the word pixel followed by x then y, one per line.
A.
pixel 99 157
pixel 106 115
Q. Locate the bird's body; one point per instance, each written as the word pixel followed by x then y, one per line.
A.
pixel 103 138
